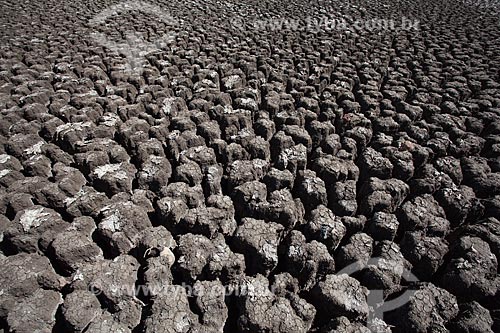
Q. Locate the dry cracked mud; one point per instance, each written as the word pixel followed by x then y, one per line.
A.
pixel 249 166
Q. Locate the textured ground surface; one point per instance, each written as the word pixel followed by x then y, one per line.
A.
pixel 260 159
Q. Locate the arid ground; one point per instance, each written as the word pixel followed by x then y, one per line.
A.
pixel 255 166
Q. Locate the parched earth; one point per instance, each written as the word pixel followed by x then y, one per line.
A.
pixel 249 166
